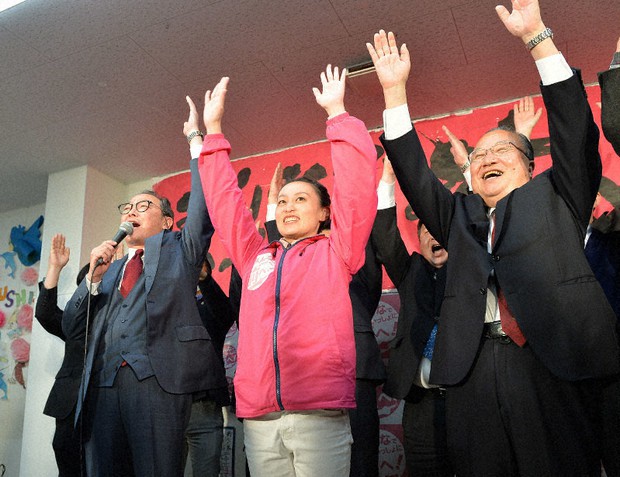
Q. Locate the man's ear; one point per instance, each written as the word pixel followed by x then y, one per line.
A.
pixel 531 167
pixel 168 222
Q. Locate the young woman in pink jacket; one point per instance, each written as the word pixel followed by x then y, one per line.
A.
pixel 295 376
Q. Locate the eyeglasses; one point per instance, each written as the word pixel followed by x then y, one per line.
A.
pixel 141 206
pixel 499 149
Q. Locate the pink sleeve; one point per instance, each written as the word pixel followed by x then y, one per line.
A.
pixel 354 199
pixel 232 220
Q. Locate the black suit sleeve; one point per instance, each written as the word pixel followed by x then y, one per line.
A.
pixel 221 312
pixel 389 245
pixel 574 139
pixel 47 311
pixel 429 198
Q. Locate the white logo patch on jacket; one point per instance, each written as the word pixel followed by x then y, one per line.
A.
pixel 264 265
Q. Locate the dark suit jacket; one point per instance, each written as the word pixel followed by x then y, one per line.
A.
pixel 63 396
pixel 178 345
pixel 537 257
pixel 420 287
pixel 610 104
pixel 365 293
pixel 217 315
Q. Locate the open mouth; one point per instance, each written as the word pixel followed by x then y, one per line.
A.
pixel 288 220
pixel 492 174
pixel 436 248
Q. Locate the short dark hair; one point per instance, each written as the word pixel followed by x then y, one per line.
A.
pixel 324 198
pixel 164 203
pixel 524 142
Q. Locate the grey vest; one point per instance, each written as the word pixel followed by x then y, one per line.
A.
pixel 123 338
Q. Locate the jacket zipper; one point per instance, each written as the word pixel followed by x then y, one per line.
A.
pixel 275 329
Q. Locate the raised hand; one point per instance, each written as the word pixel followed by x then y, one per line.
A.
pixel 526 116
pixel 277 181
pixel 191 124
pixel 392 67
pixel 59 253
pixel 58 259
pixel 457 149
pixel 214 107
pixel 524 21
pixel 331 97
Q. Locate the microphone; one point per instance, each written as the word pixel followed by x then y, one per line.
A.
pixel 126 228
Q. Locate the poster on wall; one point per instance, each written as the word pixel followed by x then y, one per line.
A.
pixel 19 271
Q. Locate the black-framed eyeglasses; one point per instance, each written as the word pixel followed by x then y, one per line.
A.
pixel 499 149
pixel 141 206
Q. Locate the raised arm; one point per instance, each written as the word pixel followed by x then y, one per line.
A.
pixel 386 239
pixel 354 199
pixel 46 310
pixel 198 229
pixel 431 201
pixel 232 220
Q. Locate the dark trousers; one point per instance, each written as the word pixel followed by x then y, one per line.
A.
pixel 66 445
pixel 424 426
pixel 135 428
pixel 512 417
pixel 365 430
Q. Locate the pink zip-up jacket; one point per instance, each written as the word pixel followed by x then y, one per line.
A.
pixel 296 349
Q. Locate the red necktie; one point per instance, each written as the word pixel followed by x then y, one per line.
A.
pixel 132 273
pixel 506 318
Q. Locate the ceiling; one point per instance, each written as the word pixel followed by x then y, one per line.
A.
pixel 102 82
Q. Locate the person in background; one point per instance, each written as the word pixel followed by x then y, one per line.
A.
pixel 295 378
pixel 511 348
pixel 204 434
pixel 420 279
pixel 64 393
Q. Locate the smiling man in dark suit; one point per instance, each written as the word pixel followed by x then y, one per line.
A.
pixel 148 350
pixel 524 326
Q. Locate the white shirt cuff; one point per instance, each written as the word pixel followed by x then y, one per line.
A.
pixel 271 212
pixel 385 195
pixel 396 122
pixel 553 69
pixel 195 150
pixel 95 286
pixel 467 177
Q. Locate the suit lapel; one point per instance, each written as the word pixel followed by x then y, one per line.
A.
pixel 501 215
pixel 479 220
pixel 152 252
